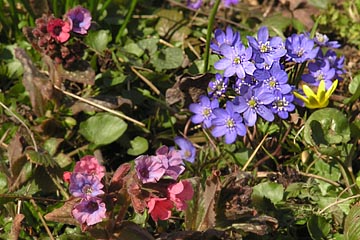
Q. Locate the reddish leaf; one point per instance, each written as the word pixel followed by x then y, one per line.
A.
pixel 117 181
pixel 16 226
pixel 36 83
pixel 16 154
pixel 200 214
pixel 63 214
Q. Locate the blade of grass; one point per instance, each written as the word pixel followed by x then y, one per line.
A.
pixel 127 20
pixel 209 33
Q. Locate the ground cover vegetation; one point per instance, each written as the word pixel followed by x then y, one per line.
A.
pixel 179 119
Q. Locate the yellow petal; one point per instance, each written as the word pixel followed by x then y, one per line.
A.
pixel 321 91
pixel 308 92
pixel 301 97
pixel 331 89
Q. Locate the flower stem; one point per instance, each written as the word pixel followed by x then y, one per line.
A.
pixel 127 20
pixel 209 33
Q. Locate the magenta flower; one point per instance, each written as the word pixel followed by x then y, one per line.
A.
pixel 187 149
pixel 149 168
pixel 160 208
pixel 180 193
pixel 172 161
pixel 90 165
pixel 59 29
pixel 89 211
pixel 80 19
pixel 84 185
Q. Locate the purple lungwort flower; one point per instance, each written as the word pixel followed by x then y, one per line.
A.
pixel 221 37
pixel 80 18
pixel 237 60
pixel 85 185
pixel 300 48
pixel 218 86
pixel 323 41
pixel 187 149
pixel 268 49
pixel 254 102
pixel 228 123
pixel 282 105
pixel 275 79
pixel 319 71
pixel 172 161
pixel 149 168
pixel 228 3
pixel 203 111
pixel 89 211
pixel 194 4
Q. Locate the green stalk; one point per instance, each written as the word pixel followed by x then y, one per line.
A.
pixel 127 20
pixel 209 33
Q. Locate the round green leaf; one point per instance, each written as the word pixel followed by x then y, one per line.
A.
pixel 103 128
pixel 327 126
pixel 139 145
pixel 270 190
pixel 98 40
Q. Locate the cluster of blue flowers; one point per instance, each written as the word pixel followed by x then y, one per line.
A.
pixel 254 81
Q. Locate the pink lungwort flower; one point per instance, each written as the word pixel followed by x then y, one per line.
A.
pixel 89 211
pixel 172 161
pixel 59 29
pixel 160 208
pixel 149 168
pixel 80 19
pixel 90 165
pixel 179 193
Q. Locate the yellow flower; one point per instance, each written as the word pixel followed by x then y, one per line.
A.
pixel 318 100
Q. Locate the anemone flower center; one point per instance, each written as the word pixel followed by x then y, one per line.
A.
pixel 252 102
pixel 230 124
pixel 237 60
pixel 281 104
pixel 206 112
pixel 319 75
pixel 300 52
pixel 272 82
pixel 265 47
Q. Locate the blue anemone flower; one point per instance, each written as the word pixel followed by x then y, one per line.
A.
pixel 228 122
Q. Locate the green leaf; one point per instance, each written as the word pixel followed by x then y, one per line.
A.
pixel 318 227
pixel 319 3
pixel 149 45
pixel 354 89
pixel 327 126
pixel 103 128
pixel 172 25
pixel 168 58
pixel 352 224
pixel 134 48
pixel 98 40
pixel 51 145
pixel 270 190
pixel 139 145
pixel 40 158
